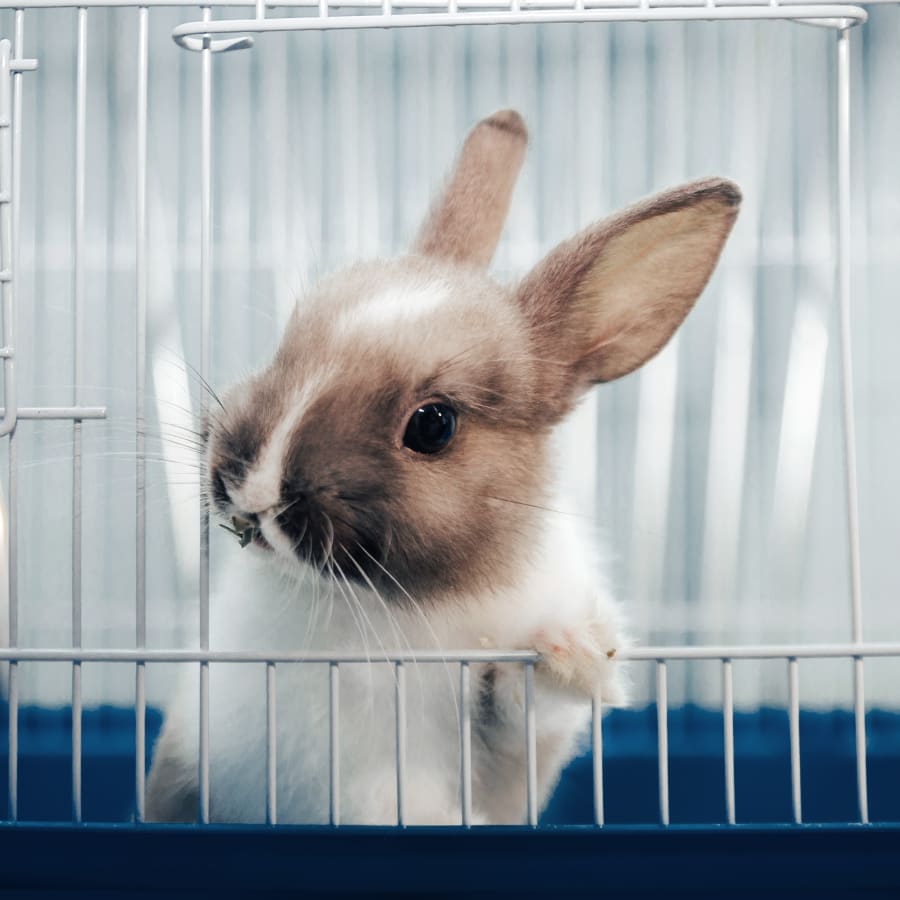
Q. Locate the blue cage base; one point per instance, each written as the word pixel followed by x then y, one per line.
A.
pixel 697 856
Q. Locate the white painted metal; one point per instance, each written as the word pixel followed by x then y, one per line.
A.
pixel 400 713
pixel 597 755
pixel 47 413
pixel 667 654
pixel 76 742
pixel 465 743
pixel 334 750
pixel 9 162
pixel 728 736
pixel 78 378
pixel 271 748
pixel 7 242
pixel 205 294
pixel 794 725
pixel 205 301
pixel 203 762
pixel 140 560
pixel 530 746
pixel 848 411
pixel 416 4
pixel 662 740
pixel 236 32
pixel 12 699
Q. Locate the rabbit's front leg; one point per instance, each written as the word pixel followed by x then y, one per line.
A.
pixel 579 653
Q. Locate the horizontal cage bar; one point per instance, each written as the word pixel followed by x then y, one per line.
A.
pixel 773 651
pixel 235 32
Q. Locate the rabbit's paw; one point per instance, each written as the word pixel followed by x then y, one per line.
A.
pixel 581 657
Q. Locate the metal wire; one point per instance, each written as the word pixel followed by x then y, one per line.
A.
pixel 465 743
pixel 10 146
pixel 530 746
pixel 205 294
pixel 848 411
pixel 774 651
pixel 728 737
pixel 400 710
pixel 140 589
pixel 235 33
pixel 205 301
pixel 78 376
pixel 334 750
pixel 597 755
pixel 271 748
pixel 7 241
pixel 662 738
pixel 794 724
pixel 203 797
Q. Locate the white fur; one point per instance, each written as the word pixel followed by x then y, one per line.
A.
pixel 400 304
pixel 260 489
pixel 259 608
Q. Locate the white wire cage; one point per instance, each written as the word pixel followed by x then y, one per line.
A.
pixel 118 271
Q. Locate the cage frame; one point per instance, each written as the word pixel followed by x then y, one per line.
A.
pixel 819 860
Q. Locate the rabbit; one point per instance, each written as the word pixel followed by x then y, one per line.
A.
pixel 391 473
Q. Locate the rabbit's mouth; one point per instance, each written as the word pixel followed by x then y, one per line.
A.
pixel 247 532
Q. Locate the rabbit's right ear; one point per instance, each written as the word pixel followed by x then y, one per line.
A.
pixel 465 221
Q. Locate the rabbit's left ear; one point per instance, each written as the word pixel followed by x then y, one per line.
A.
pixel 607 300
pixel 465 222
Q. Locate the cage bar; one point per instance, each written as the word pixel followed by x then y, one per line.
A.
pixel 849 413
pixel 12 699
pixel 312 657
pixel 271 748
pixel 205 294
pixel 205 300
pixel 794 720
pixel 400 689
pixel 662 747
pixel 203 797
pixel 334 759
pixel 46 413
pixel 140 741
pixel 859 723
pixel 7 263
pixel 465 743
pixel 140 588
pixel 530 746
pixel 235 32
pixel 76 742
pixel 597 754
pixel 78 377
pixel 11 145
pixel 728 737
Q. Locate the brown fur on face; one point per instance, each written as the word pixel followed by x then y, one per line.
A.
pixel 349 485
pixel 372 344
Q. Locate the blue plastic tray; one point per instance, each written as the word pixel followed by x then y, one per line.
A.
pixel 565 856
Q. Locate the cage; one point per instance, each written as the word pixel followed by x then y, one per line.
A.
pixel 161 203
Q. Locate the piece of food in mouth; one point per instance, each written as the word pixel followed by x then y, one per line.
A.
pixel 244 530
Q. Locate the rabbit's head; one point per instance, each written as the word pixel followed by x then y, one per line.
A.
pixel 399 437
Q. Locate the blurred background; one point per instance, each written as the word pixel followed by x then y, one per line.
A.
pixel 714 477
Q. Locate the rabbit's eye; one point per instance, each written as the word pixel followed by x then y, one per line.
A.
pixel 430 428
